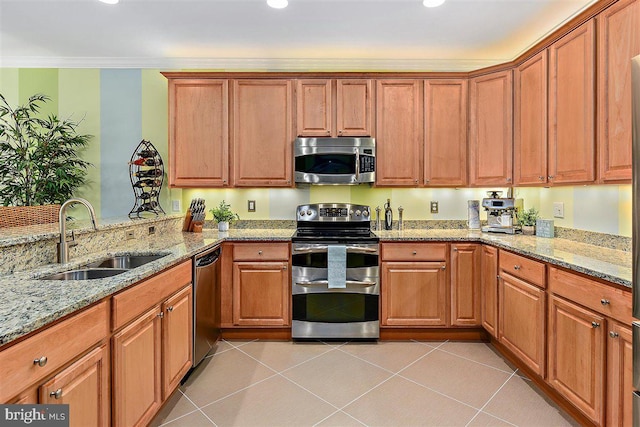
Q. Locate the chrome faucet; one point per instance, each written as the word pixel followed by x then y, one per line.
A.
pixel 63 245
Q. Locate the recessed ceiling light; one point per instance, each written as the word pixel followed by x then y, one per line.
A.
pixel 278 4
pixel 432 3
pixel 110 1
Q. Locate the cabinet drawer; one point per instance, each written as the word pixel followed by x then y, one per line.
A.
pixel 59 344
pixel 523 268
pixel 414 251
pixel 128 304
pixel 607 300
pixel 261 252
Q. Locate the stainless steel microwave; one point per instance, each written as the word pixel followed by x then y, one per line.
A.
pixel 334 160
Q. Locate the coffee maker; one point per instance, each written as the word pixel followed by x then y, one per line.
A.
pixel 501 213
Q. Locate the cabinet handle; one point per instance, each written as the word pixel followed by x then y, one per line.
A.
pixel 170 308
pixel 259 252
pixel 426 181
pixel 605 301
pixel 541 178
pixel 508 179
pixel 56 394
pixel 498 276
pixel 40 362
pixel 339 132
pixel 284 267
pixel 613 334
pixel 415 253
pixel 551 176
pixel 444 267
pixel 455 249
pixel 161 315
pixel 516 267
pixel 416 181
pixel 595 324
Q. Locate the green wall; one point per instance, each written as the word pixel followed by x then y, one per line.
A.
pixel 119 121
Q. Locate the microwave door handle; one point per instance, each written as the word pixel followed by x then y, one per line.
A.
pixel 357 165
pixel 326 283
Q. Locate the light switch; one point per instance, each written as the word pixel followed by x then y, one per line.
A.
pixel 251 205
pixel 558 209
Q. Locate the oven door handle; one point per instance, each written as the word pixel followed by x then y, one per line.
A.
pixel 352 249
pixel 326 283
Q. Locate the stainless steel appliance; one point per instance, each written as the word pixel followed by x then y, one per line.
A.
pixel 335 270
pixel 500 213
pixel 635 79
pixel 206 301
pixel 334 160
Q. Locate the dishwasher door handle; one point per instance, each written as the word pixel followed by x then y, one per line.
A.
pixel 208 259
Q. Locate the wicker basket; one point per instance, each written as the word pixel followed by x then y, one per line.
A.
pixel 20 216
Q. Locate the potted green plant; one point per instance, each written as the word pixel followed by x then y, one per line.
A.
pixel 223 215
pixel 39 162
pixel 527 219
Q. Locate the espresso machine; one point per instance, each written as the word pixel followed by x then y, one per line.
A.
pixel 501 213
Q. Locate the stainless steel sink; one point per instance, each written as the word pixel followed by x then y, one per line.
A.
pixel 86 274
pixel 125 261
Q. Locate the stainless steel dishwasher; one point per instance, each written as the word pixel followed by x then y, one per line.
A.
pixel 206 302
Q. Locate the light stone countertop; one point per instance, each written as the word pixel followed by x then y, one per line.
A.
pixel 29 303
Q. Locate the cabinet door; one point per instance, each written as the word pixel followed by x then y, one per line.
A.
pixel 177 339
pixel 618 42
pixel 489 289
pixel 198 133
pixel 465 284
pixel 530 121
pixel 84 386
pixel 414 294
pixel 577 356
pixel 445 152
pixel 490 129
pixel 314 107
pixel 353 107
pixel 262 133
pixel 572 107
pixel 399 132
pixel 522 321
pixel 137 370
pixel 261 294
pixel 619 376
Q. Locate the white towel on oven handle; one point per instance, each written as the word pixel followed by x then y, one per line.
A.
pixel 337 266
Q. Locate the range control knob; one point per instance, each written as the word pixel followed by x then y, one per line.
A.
pixel 309 212
pixel 303 213
pixel 365 213
pixel 358 212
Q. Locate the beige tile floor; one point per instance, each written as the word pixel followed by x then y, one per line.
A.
pixel 412 383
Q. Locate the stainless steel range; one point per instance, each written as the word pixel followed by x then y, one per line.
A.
pixel 335 273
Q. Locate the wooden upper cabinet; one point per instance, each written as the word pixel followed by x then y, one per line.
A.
pixel 572 107
pixel 353 107
pixel 399 132
pixel 198 133
pixel 445 122
pixel 618 42
pixel 313 103
pixel 262 133
pixel 490 129
pixel 530 121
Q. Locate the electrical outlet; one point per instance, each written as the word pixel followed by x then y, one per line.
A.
pixel 434 207
pixel 175 206
pixel 152 229
pixel 128 235
pixel 558 209
pixel 251 205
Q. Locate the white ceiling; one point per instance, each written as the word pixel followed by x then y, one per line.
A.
pixel 247 34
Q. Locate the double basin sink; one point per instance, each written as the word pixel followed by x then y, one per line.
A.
pixel 108 267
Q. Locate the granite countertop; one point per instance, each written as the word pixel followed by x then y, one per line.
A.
pixel 29 303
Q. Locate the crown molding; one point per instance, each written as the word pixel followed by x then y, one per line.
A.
pixel 253 64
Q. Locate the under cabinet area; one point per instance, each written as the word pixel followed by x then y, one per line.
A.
pixel 334 107
pixel 256 289
pixel 153 351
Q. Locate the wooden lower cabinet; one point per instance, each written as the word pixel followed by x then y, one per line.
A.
pixel 414 294
pixel 465 284
pixel 489 289
pixel 177 339
pixel 84 386
pixel 522 320
pixel 261 293
pixel 577 356
pixel 137 370
pixel 619 376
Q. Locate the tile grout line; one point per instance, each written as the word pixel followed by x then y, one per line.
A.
pixel 165 422
pixel 201 411
pixel 492 396
pixel 475 361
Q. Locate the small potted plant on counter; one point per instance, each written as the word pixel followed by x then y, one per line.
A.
pixel 527 219
pixel 223 215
